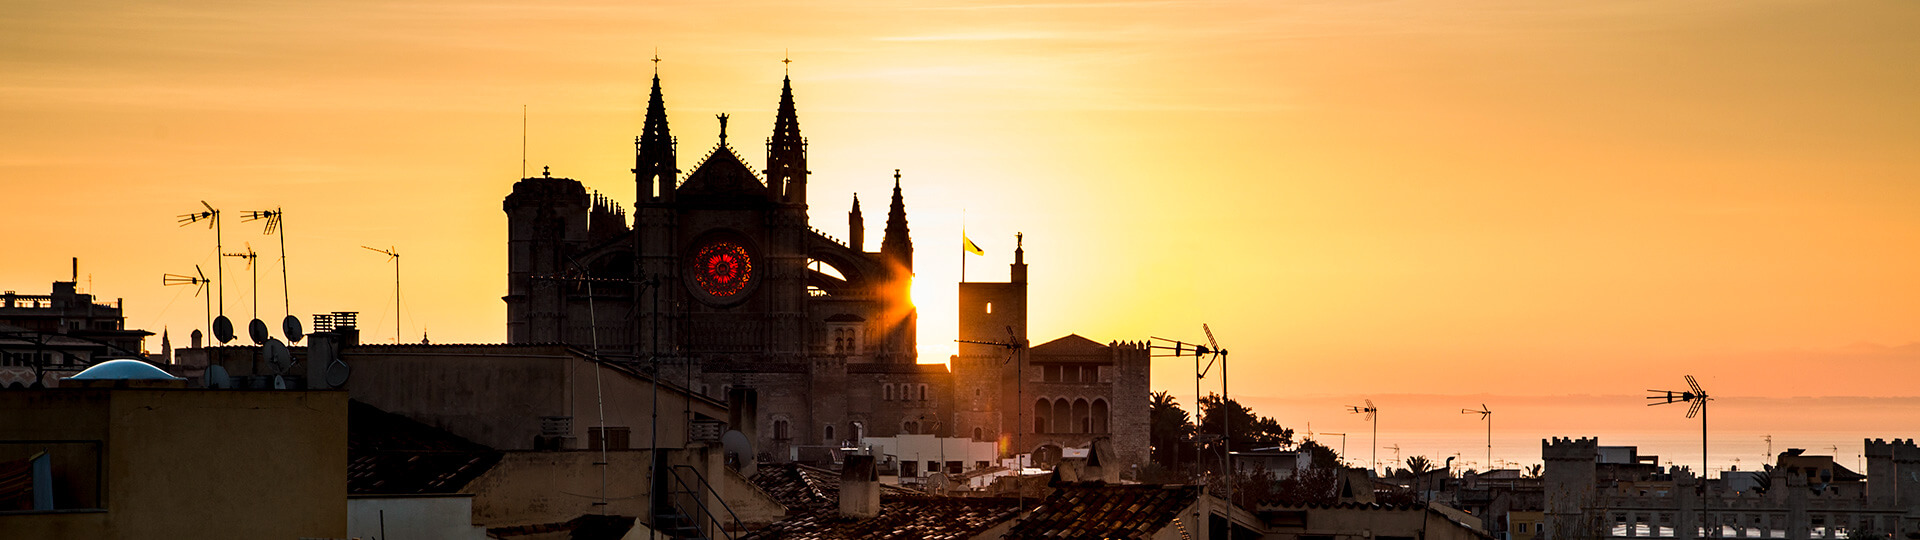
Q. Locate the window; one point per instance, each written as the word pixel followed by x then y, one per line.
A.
pixel 989 307
pixel 910 469
pixel 976 434
pixel 909 427
pixel 780 430
pixel 1052 373
pixel 859 431
pixel 828 439
pixel 613 437
pixel 1522 527
pixel 923 393
pixel 886 392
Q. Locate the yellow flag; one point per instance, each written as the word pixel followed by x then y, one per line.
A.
pixel 966 244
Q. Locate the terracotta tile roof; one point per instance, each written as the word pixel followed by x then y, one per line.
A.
pixel 389 454
pixel 803 488
pixel 901 517
pixel 1098 510
pixel 798 487
pixel 812 498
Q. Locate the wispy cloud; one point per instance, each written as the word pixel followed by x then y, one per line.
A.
pixel 982 36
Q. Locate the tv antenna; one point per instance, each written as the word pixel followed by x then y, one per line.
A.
pixel 255 329
pixel 395 257
pixel 1697 399
pixel 1343 445
pixel 1014 345
pixel 1485 414
pixel 200 283
pixel 1373 417
pixel 276 223
pixel 1396 452
pixel 222 328
pixel 1211 352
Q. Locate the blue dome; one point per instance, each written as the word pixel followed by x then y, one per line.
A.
pixel 124 370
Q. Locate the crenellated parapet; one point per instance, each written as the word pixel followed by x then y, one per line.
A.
pixel 1581 449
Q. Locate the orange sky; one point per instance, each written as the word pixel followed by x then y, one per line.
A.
pixel 1507 198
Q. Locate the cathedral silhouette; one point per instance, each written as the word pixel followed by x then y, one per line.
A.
pixel 722 283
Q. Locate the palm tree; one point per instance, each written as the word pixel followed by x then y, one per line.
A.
pixel 1419 465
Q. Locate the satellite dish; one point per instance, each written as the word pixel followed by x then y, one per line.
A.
pixel 278 357
pixel 216 377
pixel 279 383
pixel 222 329
pixel 258 331
pixel 337 373
pixel 290 326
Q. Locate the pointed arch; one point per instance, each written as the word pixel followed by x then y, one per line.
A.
pixel 1100 416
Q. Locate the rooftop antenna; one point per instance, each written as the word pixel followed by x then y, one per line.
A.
pixel 1372 413
pixel 1485 414
pixel 276 223
pixel 201 286
pixel 1396 452
pixel 1697 399
pixel 395 257
pixel 1343 445
pixel 1213 353
pixel 523 140
pixel 222 328
pixel 255 329
pixel 1014 346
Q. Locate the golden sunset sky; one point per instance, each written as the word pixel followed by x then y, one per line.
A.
pixel 1485 198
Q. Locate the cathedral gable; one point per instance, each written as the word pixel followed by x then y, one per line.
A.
pixel 723 175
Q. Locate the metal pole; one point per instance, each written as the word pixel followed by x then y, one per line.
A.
pixel 1226 436
pixel 396 299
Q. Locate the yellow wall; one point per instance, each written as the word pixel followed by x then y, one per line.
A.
pixel 198 464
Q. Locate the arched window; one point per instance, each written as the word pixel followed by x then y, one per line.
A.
pixel 1082 419
pixel 828 439
pixel 780 430
pixel 1062 416
pixel 1042 409
pixel 909 427
pixel 923 393
pixel 886 392
pixel 859 431
pixel 977 434
pixel 1100 416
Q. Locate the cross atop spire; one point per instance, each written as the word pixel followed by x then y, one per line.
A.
pixel 788 60
pixel 656 61
pixel 723 128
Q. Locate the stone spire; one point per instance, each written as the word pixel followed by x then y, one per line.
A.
pixel 856 227
pixel 787 152
pixel 897 245
pixel 655 166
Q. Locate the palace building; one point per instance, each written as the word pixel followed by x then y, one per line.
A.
pixel 721 282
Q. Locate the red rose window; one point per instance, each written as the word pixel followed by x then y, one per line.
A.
pixel 722 268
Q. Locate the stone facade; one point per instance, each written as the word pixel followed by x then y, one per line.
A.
pixel 721 282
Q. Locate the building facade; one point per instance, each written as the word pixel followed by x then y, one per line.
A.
pixel 721 281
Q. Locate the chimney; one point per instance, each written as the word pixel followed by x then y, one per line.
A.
pixel 743 413
pixel 1102 464
pixel 859 488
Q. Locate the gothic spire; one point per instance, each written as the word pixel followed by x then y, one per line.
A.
pixel 787 152
pixel 655 165
pixel 856 227
pixel 897 244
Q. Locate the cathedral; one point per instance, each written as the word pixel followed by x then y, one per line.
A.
pixel 721 281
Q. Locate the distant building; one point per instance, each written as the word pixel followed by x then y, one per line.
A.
pixel 46 337
pixel 1040 400
pixel 722 279
pixel 1612 492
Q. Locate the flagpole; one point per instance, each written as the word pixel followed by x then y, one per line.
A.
pixel 963 245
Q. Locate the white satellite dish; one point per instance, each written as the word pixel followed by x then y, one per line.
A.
pixel 216 377
pixel 337 373
pixel 279 383
pixel 278 357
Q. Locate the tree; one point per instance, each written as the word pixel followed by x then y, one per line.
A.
pixel 1171 432
pixel 1323 457
pixel 1419 465
pixel 1249 430
pixel 1534 470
